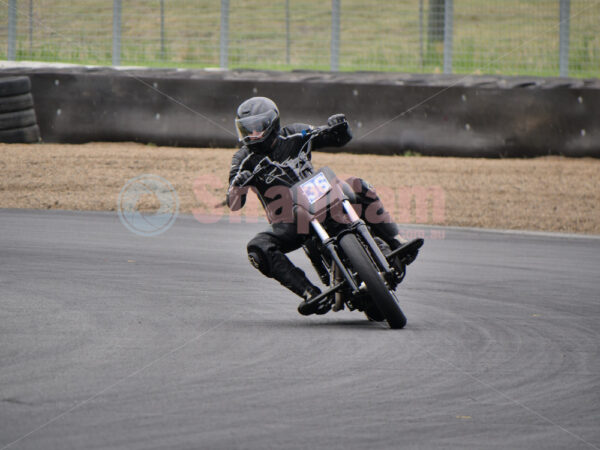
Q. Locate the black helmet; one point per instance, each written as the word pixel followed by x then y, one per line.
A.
pixel 256 119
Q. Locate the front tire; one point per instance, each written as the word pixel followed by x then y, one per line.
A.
pixel 373 314
pixel 383 298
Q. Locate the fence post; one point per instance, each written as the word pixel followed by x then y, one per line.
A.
pixel 30 28
pixel 12 30
pixel 116 50
pixel 223 53
pixel 163 51
pixel 335 35
pixel 563 57
pixel 287 32
pixel 421 51
pixel 448 30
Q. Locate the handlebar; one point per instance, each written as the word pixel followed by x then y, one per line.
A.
pixel 313 133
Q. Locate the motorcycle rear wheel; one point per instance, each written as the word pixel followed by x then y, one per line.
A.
pixel 383 298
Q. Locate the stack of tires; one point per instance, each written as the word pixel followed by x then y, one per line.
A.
pixel 17 116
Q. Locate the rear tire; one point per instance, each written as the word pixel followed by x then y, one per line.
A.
pixel 383 298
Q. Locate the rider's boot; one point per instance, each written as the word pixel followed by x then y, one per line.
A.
pixel 388 232
pixel 306 309
pixel 300 285
pixel 398 242
pixel 296 281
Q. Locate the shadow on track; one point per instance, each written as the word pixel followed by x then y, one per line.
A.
pixel 320 323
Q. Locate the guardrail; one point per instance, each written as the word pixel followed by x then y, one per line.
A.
pixel 389 113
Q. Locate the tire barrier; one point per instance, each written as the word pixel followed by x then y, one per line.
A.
pixel 442 115
pixel 17 116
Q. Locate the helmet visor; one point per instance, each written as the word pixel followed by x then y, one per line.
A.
pixel 254 129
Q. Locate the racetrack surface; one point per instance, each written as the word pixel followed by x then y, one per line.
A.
pixel 113 340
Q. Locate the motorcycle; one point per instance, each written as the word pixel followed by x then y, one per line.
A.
pixel 360 271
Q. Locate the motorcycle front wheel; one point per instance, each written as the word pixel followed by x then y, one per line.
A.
pixel 367 271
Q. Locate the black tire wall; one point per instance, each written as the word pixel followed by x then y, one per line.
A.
pixel 17 116
pixel 389 113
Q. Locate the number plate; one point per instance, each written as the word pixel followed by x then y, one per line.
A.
pixel 316 187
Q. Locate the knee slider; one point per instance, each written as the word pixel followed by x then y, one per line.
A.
pixel 259 260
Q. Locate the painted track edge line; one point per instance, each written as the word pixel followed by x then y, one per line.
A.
pixel 551 234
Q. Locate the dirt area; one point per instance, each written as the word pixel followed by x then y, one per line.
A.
pixel 550 193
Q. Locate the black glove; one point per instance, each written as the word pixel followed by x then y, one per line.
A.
pixel 340 128
pixel 336 119
pixel 241 178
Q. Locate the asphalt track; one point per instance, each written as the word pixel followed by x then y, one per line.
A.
pixel 112 340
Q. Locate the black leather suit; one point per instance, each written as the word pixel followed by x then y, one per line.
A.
pixel 267 249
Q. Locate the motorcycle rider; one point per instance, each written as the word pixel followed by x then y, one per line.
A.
pixel 259 131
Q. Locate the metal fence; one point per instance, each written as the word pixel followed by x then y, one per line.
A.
pixel 511 37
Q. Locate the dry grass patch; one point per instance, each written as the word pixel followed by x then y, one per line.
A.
pixel 551 193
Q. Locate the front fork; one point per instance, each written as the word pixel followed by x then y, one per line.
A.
pixel 329 244
pixel 363 231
